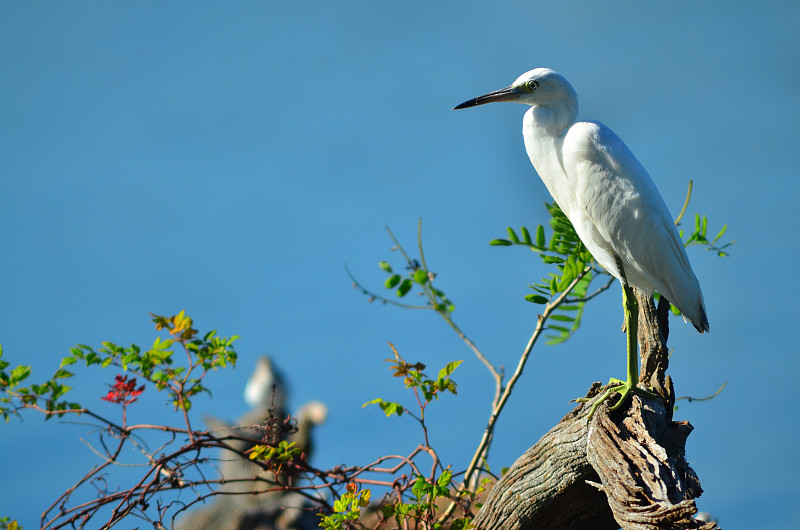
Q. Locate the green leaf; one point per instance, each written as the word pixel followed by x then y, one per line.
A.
pixel 404 287
pixel 536 298
pixel 59 390
pixel 20 373
pixel 448 369
pixel 66 361
pixel 513 235
pixel 721 232
pixel 420 487
pixel 161 345
pixel 392 281
pixel 540 236
pixel 500 243
pixel 461 523
pixel 526 236
pixel 553 340
pixel 552 244
pixel 385 266
pixel 566 279
pixel 540 288
pixel 388 407
pixel 420 276
pixel 62 373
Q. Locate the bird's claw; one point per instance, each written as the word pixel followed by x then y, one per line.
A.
pixel 623 388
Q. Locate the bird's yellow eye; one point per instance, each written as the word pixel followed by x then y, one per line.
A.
pixel 531 85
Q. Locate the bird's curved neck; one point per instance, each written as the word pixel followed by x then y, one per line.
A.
pixel 556 119
pixel 544 137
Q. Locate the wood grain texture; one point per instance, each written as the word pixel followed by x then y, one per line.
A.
pixel 547 486
pixel 622 469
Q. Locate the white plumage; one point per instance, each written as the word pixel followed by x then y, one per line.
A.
pixel 266 388
pixel 604 191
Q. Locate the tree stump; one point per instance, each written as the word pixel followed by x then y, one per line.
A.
pixel 622 469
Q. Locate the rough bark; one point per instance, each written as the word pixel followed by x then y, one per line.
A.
pixel 624 469
pixel 653 352
pixel 640 458
pixel 549 486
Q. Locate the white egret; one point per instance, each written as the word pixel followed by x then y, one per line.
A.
pixel 266 388
pixel 609 197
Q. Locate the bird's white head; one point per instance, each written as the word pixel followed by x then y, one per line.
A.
pixel 540 87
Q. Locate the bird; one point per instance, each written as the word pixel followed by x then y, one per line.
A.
pixel 611 201
pixel 249 498
pixel 266 389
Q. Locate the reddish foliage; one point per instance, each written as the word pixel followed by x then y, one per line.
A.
pixel 123 391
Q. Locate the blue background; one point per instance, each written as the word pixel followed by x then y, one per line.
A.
pixel 229 158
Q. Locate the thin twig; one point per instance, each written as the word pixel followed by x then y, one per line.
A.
pixel 685 204
pixel 496 375
pixel 712 396
pixel 588 297
pixel 383 299
pixel 488 433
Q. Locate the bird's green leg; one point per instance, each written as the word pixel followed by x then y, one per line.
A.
pixel 624 388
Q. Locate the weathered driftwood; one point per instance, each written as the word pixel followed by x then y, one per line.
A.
pixel 639 456
pixel 624 469
pixel 549 485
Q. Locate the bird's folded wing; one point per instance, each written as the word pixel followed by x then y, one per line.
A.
pixel 624 212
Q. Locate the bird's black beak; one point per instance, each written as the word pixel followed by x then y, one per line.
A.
pixel 504 94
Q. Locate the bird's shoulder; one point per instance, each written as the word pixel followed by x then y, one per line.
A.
pixel 592 148
pixel 607 177
pixel 594 142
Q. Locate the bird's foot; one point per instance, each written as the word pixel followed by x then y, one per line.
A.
pixel 623 388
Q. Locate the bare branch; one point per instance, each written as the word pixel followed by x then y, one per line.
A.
pixel 489 432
